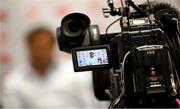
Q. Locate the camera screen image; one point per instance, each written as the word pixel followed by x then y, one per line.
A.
pixel 92 57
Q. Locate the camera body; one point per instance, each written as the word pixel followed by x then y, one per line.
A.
pixel 132 68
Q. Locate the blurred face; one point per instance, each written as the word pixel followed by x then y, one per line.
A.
pixel 41 48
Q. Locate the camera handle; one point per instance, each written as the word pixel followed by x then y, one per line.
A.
pixel 132 4
pixel 113 11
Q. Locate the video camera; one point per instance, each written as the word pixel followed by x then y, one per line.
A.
pixel 137 67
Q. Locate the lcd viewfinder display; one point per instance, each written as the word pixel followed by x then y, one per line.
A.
pixel 88 58
pixel 92 57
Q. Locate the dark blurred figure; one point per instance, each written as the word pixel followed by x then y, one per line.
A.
pixel 41 82
pixel 41 45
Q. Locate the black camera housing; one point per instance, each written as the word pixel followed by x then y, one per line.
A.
pixel 144 78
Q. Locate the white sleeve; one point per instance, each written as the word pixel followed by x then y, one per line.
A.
pixel 86 93
pixel 11 99
pixel 10 93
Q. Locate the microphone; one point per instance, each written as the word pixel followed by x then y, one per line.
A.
pixel 167 15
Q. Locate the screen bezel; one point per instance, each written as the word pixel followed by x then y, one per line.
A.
pixel 89 68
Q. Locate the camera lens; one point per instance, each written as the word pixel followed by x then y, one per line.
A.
pixel 74 26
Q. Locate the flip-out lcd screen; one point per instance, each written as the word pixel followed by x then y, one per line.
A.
pixel 88 58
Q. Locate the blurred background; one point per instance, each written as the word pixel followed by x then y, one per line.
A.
pixel 17 17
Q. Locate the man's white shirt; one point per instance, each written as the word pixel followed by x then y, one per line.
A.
pixel 61 88
pixel 92 61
